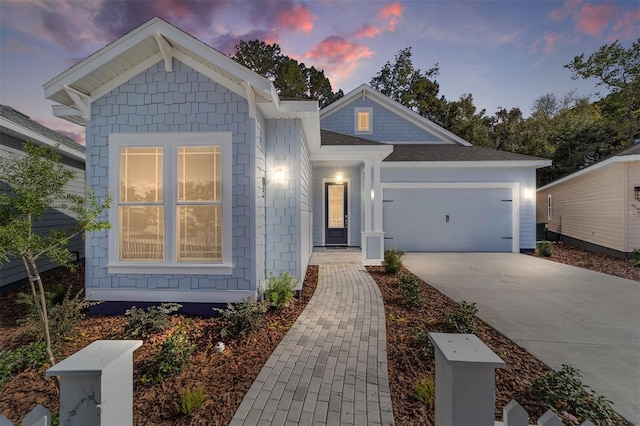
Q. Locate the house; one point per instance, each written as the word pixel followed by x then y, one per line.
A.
pixel 15 129
pixel 218 183
pixel 598 207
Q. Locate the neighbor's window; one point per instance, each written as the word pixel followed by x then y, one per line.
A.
pixel 363 120
pixel 549 207
pixel 173 199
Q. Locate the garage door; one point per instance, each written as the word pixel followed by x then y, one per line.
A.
pixel 448 219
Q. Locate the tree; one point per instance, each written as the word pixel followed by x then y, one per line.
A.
pixel 290 78
pixel 618 69
pixel 32 185
pixel 411 87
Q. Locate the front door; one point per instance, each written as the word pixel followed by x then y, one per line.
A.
pixel 336 219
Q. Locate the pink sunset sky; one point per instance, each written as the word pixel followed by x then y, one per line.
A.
pixel 505 53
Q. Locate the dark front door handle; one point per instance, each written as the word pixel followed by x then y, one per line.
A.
pixel 447 218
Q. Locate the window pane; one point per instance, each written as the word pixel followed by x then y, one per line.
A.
pixel 336 206
pixel 363 120
pixel 142 233
pixel 199 233
pixel 199 173
pixel 140 174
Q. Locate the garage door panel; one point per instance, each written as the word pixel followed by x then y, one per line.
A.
pixel 448 219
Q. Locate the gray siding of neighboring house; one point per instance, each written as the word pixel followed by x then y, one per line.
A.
pixel 13 272
pixel 352 176
pixel 387 126
pixel 284 200
pixel 525 177
pixel 178 101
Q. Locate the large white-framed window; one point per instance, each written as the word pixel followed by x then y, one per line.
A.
pixel 363 119
pixel 549 207
pixel 171 210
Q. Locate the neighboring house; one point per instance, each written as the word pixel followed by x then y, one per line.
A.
pixel 15 129
pixel 218 183
pixel 598 207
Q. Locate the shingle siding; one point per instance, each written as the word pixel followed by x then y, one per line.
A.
pixel 178 101
pixel 387 126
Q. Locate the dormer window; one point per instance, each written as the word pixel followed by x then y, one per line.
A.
pixel 363 122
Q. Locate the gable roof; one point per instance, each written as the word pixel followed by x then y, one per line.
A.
pixel 154 41
pixel 329 138
pixel 629 154
pixel 22 127
pixel 448 152
pixel 368 92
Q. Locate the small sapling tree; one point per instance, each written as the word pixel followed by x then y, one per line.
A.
pixel 31 186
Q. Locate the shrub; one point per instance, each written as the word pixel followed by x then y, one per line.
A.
pixel 191 401
pixel 461 317
pixel 392 260
pixel 545 248
pixel 64 313
pixel 142 324
pixel 635 257
pixel 242 318
pixel 424 344
pixel 425 390
pixel 170 359
pixel 32 355
pixel 564 393
pixel 410 290
pixel 280 289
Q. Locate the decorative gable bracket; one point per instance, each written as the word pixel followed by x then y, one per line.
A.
pixel 80 100
pixel 166 50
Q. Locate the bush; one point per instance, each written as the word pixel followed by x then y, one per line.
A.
pixel 410 290
pixel 545 248
pixel 242 318
pixel 424 344
pixel 425 390
pixel 635 257
pixel 32 355
pixel 392 260
pixel 564 393
pixel 191 401
pixel 156 319
pixel 64 313
pixel 280 289
pixel 170 359
pixel 461 318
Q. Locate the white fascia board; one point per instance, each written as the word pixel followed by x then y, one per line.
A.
pixel 593 168
pixel 68 113
pixel 29 134
pixel 352 153
pixel 466 164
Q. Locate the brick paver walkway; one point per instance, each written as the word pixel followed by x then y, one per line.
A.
pixel 331 367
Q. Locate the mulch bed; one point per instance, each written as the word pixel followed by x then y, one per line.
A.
pixel 225 377
pixel 594 261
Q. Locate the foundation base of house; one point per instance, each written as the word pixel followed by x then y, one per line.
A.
pixel 585 245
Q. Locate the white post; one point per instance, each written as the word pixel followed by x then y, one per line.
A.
pixel 96 384
pixel 465 380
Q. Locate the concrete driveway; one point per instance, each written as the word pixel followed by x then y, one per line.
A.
pixel 561 314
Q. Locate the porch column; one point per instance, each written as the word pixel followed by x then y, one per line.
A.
pixel 377 201
pixel 366 196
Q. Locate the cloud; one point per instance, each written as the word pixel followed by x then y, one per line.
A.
pixel 568 8
pixel 548 41
pixel 338 56
pixel 73 131
pixel 14 45
pixel 392 12
pixel 594 19
pixel 367 31
pixel 626 28
pixel 282 14
pixel 226 43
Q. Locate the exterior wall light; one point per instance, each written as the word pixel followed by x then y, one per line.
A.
pixel 278 175
pixel 339 177
pixel 636 192
pixel 528 194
